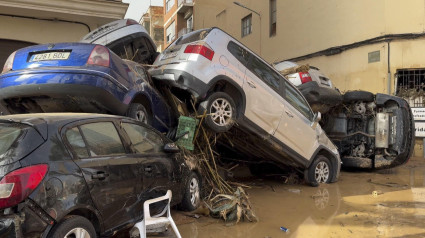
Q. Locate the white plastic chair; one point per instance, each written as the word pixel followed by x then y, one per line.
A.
pixel 156 223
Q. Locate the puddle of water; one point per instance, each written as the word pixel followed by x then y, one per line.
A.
pixel 361 204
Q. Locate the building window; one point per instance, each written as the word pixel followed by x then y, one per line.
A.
pixel 246 25
pixel 272 17
pixel 411 86
pixel 171 32
pixel 168 5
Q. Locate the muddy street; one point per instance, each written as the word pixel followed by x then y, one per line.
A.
pixel 388 203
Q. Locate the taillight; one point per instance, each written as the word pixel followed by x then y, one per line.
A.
pixel 131 22
pixel 17 185
pixel 99 56
pixel 200 49
pixel 9 63
pixel 305 77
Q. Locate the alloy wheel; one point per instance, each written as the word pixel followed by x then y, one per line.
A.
pixel 221 112
pixel 194 191
pixel 321 172
pixel 141 116
pixel 77 233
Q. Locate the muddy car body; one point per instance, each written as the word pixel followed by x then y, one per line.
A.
pixel 64 172
pixel 371 131
pixel 233 85
pixel 87 78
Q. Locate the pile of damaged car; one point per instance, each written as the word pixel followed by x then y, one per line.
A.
pixel 93 131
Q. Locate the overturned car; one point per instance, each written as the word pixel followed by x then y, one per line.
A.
pixel 370 131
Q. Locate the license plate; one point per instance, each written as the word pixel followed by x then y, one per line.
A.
pixel 170 55
pixel 50 56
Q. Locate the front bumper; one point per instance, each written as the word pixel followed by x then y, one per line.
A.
pixel 405 133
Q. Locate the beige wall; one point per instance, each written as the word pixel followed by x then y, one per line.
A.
pixel 308 26
pixel 40 31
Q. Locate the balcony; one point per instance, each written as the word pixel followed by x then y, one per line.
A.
pixel 184 31
pixel 184 5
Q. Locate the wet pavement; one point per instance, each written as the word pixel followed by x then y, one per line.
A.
pixel 387 203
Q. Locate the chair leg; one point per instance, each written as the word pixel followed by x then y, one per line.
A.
pixel 142 228
pixel 173 225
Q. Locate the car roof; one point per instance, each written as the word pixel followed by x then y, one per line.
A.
pixel 55 118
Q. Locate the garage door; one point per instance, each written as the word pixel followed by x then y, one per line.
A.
pixel 8 46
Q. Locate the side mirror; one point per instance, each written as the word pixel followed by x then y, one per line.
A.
pixel 317 117
pixel 171 148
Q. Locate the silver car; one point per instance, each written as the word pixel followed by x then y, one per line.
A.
pixel 234 85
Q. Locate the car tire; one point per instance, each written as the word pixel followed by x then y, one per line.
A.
pixel 72 225
pixel 192 193
pixel 221 112
pixel 354 96
pixel 138 112
pixel 320 171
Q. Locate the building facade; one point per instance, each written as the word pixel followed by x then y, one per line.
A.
pixel 178 19
pixel 28 22
pixel 153 22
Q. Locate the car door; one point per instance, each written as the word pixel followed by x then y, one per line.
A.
pixel 264 103
pixel 112 177
pixel 295 127
pixel 157 168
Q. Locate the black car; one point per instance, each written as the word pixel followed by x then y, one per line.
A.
pixel 66 173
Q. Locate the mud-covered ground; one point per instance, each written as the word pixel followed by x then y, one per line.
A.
pixel 388 203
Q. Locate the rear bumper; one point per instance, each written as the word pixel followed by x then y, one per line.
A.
pixel 30 222
pixel 320 98
pixel 182 80
pixel 61 92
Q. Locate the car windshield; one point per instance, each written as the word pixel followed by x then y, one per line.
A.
pixel 8 135
pixel 193 36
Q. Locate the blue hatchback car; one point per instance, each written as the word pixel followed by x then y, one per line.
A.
pixel 80 77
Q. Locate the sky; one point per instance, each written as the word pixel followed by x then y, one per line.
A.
pixel 138 7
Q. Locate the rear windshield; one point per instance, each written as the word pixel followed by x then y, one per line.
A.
pixel 193 36
pixel 8 135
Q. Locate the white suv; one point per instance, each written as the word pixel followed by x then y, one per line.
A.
pixel 234 85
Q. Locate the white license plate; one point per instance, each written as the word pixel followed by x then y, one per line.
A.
pixel 50 56
pixel 170 55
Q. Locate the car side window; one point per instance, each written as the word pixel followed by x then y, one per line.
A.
pixel 264 72
pixel 77 142
pixel 143 140
pixel 102 139
pixel 239 53
pixel 297 101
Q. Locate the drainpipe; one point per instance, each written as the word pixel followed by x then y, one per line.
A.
pixel 389 71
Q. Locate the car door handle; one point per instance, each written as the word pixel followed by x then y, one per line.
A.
pixel 289 114
pixel 251 84
pixel 99 175
pixel 148 169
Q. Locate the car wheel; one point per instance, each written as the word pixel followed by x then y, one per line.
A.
pixel 138 111
pixel 320 171
pixel 354 96
pixel 192 193
pixel 221 112
pixel 73 226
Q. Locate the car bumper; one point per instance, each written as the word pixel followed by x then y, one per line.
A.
pixel 182 80
pixel 61 92
pixel 320 98
pixel 404 138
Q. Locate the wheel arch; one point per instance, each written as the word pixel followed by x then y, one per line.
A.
pixel 90 215
pixel 144 100
pixel 225 84
pixel 331 156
